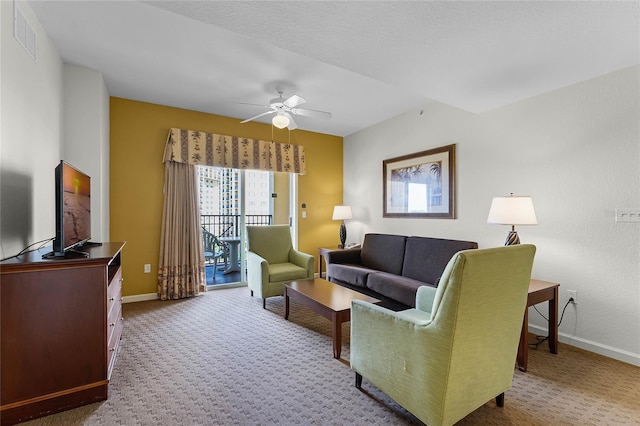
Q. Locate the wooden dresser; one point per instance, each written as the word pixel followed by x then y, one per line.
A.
pixel 61 323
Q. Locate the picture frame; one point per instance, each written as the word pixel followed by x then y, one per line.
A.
pixel 420 185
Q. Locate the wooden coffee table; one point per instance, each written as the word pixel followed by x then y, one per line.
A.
pixel 330 300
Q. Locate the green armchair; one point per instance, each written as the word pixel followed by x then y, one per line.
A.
pixel 272 261
pixel 457 349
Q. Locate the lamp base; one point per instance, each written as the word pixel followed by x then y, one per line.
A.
pixel 343 234
pixel 512 239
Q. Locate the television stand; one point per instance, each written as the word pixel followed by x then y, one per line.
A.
pixel 75 253
pixel 90 244
pixel 69 254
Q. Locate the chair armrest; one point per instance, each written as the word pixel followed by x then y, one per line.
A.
pixel 379 313
pixel 303 260
pixel 425 297
pixel 344 256
pixel 257 268
pixel 379 338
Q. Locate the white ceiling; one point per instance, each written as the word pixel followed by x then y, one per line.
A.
pixel 364 61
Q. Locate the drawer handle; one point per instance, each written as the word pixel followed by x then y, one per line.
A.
pixel 112 350
pixel 112 324
pixel 112 299
pixel 121 279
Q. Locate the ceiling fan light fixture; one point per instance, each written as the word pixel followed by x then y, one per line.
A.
pixel 280 121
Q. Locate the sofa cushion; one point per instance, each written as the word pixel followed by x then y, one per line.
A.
pixel 425 258
pixel 383 252
pixel 352 274
pixel 396 287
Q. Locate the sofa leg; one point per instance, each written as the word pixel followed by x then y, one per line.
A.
pixel 500 400
pixel 251 293
pixel 359 380
pixel 264 303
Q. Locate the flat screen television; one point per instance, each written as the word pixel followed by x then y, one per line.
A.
pixel 73 208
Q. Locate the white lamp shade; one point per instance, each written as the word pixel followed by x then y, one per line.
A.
pixel 280 121
pixel 342 213
pixel 514 210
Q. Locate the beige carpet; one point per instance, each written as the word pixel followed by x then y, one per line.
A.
pixel 220 359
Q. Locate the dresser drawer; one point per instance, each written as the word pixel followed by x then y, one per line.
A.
pixel 113 321
pixel 115 324
pixel 114 342
pixel 114 293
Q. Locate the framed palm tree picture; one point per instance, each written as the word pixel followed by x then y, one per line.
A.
pixel 420 184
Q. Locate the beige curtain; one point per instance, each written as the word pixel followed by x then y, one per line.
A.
pixel 200 148
pixel 181 265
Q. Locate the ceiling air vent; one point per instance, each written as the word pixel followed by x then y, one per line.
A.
pixel 23 32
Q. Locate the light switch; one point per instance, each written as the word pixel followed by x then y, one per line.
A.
pixel 627 215
pixel 147 268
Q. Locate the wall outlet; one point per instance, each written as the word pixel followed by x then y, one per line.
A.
pixel 147 268
pixel 573 294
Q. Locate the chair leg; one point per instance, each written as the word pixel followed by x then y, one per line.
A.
pixel 500 400
pixel 359 380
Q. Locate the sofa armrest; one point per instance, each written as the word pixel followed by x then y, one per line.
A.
pixel 302 260
pixel 351 256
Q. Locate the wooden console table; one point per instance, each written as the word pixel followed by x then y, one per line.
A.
pixel 61 322
pixel 539 291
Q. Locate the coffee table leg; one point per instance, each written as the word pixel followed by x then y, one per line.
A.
pixel 286 303
pixel 336 322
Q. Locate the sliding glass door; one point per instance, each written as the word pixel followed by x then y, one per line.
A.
pixel 231 199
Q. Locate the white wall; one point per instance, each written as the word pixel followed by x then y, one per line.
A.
pixel 86 138
pixel 49 111
pixel 576 151
pixel 31 135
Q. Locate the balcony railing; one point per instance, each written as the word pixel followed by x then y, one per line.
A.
pixel 228 225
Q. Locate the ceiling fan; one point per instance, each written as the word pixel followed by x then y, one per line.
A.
pixel 284 109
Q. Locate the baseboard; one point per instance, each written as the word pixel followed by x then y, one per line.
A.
pixel 587 345
pixel 140 297
pixel 154 296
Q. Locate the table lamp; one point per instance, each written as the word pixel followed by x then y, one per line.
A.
pixel 342 213
pixel 512 210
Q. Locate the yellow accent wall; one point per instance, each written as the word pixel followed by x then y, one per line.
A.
pixel 138 134
pixel 281 183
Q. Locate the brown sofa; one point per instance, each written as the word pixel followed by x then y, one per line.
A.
pixel 392 267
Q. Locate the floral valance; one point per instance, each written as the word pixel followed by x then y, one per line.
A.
pixel 201 148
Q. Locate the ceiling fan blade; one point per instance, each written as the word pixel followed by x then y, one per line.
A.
pixel 257 116
pixel 294 101
pixel 311 113
pixel 258 105
pixel 292 123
